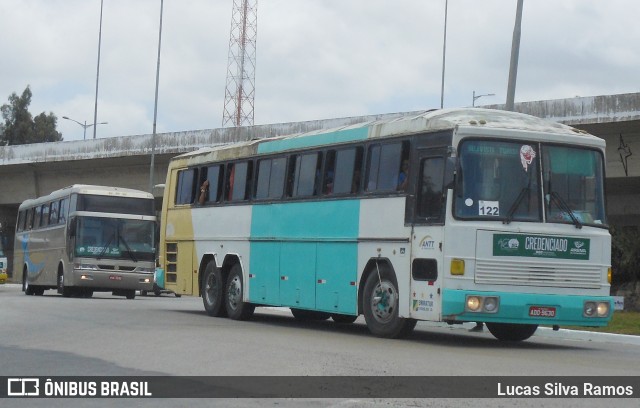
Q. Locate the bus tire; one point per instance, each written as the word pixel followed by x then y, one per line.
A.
pixel 26 288
pixel 65 291
pixel 343 319
pixel 130 294
pixel 380 301
pixel 512 332
pixel 213 291
pixel 38 290
pixel 237 308
pixel 302 314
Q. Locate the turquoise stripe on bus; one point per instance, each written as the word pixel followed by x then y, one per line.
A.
pixel 305 255
pixel 514 308
pixel 341 136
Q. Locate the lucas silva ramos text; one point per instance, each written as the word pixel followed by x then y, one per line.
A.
pixel 557 389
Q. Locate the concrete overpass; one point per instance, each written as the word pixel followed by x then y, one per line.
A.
pixel 29 171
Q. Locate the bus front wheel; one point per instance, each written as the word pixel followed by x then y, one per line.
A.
pixel 380 303
pixel 237 308
pixel 512 332
pixel 213 291
pixel 63 290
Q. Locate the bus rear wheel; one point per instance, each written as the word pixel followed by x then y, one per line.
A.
pixel 512 332
pixel 213 291
pixel 237 308
pixel 380 304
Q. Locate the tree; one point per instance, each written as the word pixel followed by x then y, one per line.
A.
pixel 625 254
pixel 20 127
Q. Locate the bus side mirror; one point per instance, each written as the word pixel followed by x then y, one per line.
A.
pixel 450 173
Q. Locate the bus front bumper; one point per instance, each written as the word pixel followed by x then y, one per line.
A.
pixel 526 308
pixel 113 280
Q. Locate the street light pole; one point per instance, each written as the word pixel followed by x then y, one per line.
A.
pixel 473 104
pixel 155 107
pixel 444 53
pixel 84 126
pixel 515 52
pixel 95 112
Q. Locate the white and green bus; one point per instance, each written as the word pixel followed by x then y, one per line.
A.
pixel 457 215
pixel 84 238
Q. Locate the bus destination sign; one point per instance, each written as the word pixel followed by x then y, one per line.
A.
pixel 540 246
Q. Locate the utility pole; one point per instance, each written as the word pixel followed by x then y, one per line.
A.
pixel 515 52
pixel 239 93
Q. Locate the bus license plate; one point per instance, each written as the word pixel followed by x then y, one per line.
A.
pixel 542 311
pixel 115 277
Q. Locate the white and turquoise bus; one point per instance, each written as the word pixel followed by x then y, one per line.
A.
pixel 457 215
pixel 83 238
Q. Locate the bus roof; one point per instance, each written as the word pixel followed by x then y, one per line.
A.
pixel 88 189
pixel 428 121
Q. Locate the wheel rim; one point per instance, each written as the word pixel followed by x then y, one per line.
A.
pixel 61 282
pixel 210 289
pixel 383 301
pixel 234 292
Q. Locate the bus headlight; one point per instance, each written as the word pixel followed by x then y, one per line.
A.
pixel 602 309
pixel 490 304
pixel 596 309
pixel 482 304
pixel 473 303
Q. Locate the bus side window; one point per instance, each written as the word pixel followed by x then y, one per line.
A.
pixel 185 190
pixel 53 213
pixel 64 211
pixel 306 175
pixel 430 189
pixel 384 166
pixel 347 171
pixel 29 223
pixel 44 218
pixel 36 217
pixel 270 178
pixel 214 175
pixel 20 223
pixel 239 181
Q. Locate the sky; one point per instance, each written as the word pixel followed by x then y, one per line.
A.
pixel 315 59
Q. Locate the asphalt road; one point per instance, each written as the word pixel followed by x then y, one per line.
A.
pixel 111 336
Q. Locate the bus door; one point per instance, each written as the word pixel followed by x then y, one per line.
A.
pixel 427 212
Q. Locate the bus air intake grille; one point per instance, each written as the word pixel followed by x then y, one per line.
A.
pixel 538 274
pixel 117 268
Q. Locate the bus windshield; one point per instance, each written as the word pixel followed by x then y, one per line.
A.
pixel 502 180
pixel 115 238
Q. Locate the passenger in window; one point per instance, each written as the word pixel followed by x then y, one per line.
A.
pixel 403 178
pixel 328 182
pixel 204 192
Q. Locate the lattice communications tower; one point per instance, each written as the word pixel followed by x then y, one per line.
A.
pixel 241 66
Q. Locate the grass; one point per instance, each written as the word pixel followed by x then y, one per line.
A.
pixel 623 322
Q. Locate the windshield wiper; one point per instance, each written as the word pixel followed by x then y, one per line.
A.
pixel 515 205
pixel 133 258
pixel 563 205
pixel 104 248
